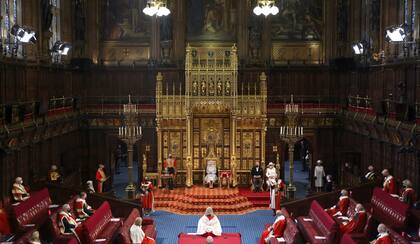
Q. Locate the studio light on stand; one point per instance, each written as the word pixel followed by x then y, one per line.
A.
pixel 397 33
pixel 359 48
pixel 61 48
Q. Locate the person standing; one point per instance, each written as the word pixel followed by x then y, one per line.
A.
pixel 100 178
pixel 257 175
pixel 271 175
pixel 408 195
pixel 389 185
pixel 147 195
pixel 169 165
pixel 319 175
pixel 276 195
pixel 54 175
pixel 370 176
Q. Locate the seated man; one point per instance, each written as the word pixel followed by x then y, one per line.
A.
pixel 169 166
pixel 209 240
pixel 257 177
pixel 53 175
pixel 383 236
pixel 357 222
pixel 341 207
pixel 83 210
pixel 66 221
pixel 276 230
pixel 211 173
pixel 408 195
pixel 35 239
pixel 19 191
pixel 389 185
pixel 137 234
pixel 209 224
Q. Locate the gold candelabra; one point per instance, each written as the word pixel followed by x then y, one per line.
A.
pixel 130 132
pixel 291 133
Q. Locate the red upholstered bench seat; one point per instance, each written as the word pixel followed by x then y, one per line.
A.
pixel 347 239
pixel 389 210
pixel 318 226
pixel 124 231
pixel 397 238
pixel 100 226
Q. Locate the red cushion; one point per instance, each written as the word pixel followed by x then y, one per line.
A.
pixel 108 232
pixel 149 230
pixel 123 232
pixel 226 238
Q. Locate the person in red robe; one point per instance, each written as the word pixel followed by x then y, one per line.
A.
pixel 83 210
pixel 341 207
pixel 408 195
pixel 276 230
pixel 357 222
pixel 147 195
pixel 383 236
pixel 389 182
pixel 100 178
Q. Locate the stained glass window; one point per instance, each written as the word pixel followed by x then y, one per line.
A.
pixel 10 10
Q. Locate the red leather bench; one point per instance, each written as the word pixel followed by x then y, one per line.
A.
pixel 225 238
pixel 321 228
pixel 100 226
pixel 291 234
pixel 389 210
pixel 31 213
pixel 124 231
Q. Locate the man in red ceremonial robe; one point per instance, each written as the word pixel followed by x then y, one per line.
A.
pixel 383 236
pixel 341 207
pixel 389 182
pixel 209 224
pixel 147 195
pixel 100 178
pixel 19 191
pixel 274 231
pixel 357 222
pixel 408 195
pixel 66 221
pixel 169 166
pixel 83 210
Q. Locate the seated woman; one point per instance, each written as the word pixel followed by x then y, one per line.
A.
pixel 137 234
pixel 275 230
pixel 209 224
pixel 211 173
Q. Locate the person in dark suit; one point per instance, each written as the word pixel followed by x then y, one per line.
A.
pixel 257 175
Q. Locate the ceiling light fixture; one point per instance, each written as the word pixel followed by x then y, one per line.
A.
pixel 156 7
pixel 266 7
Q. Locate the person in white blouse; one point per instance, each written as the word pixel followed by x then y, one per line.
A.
pixel 137 235
pixel 319 175
pixel 271 175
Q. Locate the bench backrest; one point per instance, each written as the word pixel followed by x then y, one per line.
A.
pixel 124 231
pixel 32 211
pixel 291 233
pixel 397 238
pixel 94 225
pixel 324 222
pixel 389 210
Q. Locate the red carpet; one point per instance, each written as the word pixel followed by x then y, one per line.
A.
pixel 258 199
pixel 196 199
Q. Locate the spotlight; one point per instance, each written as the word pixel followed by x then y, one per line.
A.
pixel 23 34
pixel 156 7
pixel 266 7
pixel 61 48
pixel 359 48
pixel 396 33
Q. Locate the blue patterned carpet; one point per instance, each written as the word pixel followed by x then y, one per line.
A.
pixel 250 225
